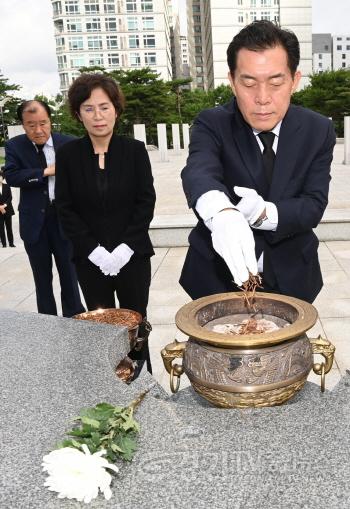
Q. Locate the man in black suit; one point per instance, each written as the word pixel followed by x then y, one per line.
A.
pixel 6 213
pixel 30 165
pixel 258 175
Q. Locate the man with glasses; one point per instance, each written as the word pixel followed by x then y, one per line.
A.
pixel 30 165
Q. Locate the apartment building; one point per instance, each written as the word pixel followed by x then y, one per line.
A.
pixel 213 24
pixel 113 34
pixel 322 52
pixel 341 52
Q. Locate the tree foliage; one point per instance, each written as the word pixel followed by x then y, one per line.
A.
pixel 328 94
pixel 10 107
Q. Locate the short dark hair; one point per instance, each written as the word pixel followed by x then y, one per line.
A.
pixel 31 106
pixel 261 35
pixel 81 88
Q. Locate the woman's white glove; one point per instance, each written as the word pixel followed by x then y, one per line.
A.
pixel 233 240
pixel 119 257
pixel 100 257
pixel 252 205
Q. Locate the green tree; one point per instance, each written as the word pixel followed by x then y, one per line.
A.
pixel 10 107
pixel 329 94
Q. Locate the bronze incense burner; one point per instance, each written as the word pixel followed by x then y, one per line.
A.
pixel 247 370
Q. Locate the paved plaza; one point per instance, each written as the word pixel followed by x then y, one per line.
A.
pixel 166 296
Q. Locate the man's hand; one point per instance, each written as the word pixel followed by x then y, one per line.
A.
pixel 120 256
pixel 50 171
pixel 252 205
pixel 233 240
pixel 100 257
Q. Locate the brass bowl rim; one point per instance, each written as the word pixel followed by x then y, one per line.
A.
pixel 186 321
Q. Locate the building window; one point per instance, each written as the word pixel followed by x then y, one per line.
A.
pixel 146 6
pixel 93 25
pixel 265 15
pixel 149 41
pixel 72 6
pixel 108 6
pixel 74 25
pixel 57 8
pixel 199 69
pixel 276 18
pixel 91 7
pixel 198 50
pixel 147 22
pixel 253 16
pixel 343 64
pixel 199 60
pixel 135 60
pixel 59 43
pixel 240 2
pixel 62 62
pixel 150 59
pixel 199 79
pixel 64 80
pixel 265 3
pixel 96 59
pixel 111 25
pixel 197 40
pixel 339 38
pixel 196 19
pixel 348 48
pixel 339 47
pixel 112 42
pixel 240 17
pixel 276 2
pixel 343 56
pixel 131 6
pixel 95 42
pixel 134 41
pixel 132 23
pixel 252 3
pixel 77 62
pixel 320 64
pixel 326 47
pixel 320 56
pixel 197 29
pixel 196 8
pixel 75 43
pixel 113 60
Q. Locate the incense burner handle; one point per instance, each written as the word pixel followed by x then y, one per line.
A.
pixel 169 353
pixel 326 349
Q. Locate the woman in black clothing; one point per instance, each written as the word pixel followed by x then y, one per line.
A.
pixel 105 199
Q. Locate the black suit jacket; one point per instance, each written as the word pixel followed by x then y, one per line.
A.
pixel 224 153
pixel 6 197
pixel 22 169
pixel 127 211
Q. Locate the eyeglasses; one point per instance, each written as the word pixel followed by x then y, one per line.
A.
pixel 33 125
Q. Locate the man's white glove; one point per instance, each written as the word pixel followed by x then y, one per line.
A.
pixel 119 257
pixel 233 240
pixel 100 257
pixel 252 205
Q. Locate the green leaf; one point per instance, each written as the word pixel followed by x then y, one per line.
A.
pixel 93 422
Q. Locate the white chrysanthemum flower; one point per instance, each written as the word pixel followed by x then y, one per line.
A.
pixel 76 474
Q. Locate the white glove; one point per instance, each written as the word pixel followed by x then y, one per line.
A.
pixel 252 205
pixel 120 256
pixel 99 256
pixel 233 239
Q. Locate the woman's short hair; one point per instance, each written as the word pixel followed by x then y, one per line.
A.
pixel 82 87
pixel 261 35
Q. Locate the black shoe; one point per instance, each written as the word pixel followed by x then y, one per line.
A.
pixel 4 245
pixel 12 245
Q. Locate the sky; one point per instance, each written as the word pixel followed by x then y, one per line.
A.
pixel 27 45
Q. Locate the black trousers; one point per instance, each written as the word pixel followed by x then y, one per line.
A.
pixel 51 243
pixel 6 220
pixel 131 286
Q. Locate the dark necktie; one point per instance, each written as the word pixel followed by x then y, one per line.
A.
pixel 267 138
pixel 41 155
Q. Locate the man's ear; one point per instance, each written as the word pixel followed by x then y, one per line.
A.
pixel 296 80
pixel 232 85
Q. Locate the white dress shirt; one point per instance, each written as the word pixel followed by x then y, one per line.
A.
pixel 49 152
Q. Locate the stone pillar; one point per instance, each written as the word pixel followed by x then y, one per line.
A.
pixel 346 140
pixel 176 138
pixel 162 142
pixel 186 135
pixel 140 132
